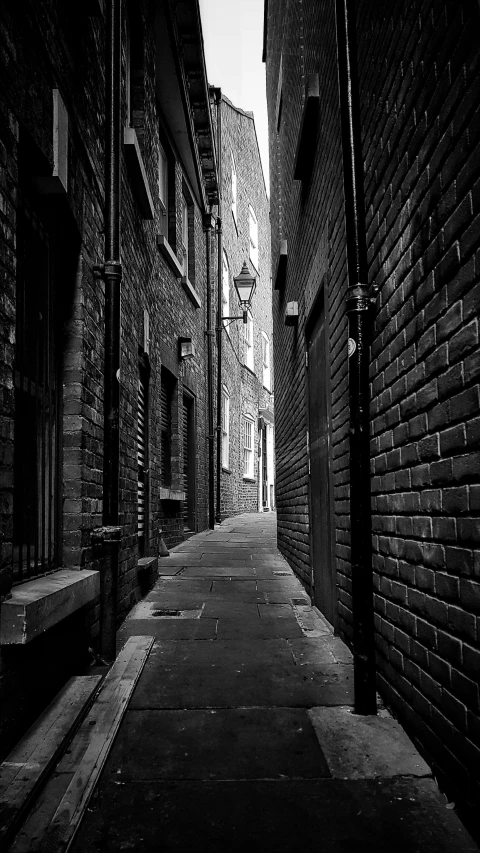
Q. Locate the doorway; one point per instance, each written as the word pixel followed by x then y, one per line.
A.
pixel 188 510
pixel 318 376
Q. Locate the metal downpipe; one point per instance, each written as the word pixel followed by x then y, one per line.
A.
pixel 359 303
pixel 218 513
pixel 210 333
pixel 111 272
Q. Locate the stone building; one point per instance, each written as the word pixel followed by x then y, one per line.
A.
pixel 417 119
pixel 63 583
pixel 247 430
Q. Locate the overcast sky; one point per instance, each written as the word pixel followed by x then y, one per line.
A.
pixel 233 36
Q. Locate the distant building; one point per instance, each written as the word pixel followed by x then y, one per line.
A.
pixel 419 131
pixel 53 323
pixel 247 429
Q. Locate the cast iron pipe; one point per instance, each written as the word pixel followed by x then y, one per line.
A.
pixel 111 273
pixel 218 100
pixel 208 225
pixel 359 303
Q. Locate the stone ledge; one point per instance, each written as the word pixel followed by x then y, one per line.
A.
pixel 191 292
pixel 171 495
pixel 39 604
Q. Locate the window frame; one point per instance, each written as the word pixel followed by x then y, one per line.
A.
pixel 248 354
pixel 248 448
pixel 234 188
pixel 225 290
pixel 253 236
pixel 225 428
pixel 266 368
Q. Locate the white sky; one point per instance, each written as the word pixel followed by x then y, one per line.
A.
pixel 233 37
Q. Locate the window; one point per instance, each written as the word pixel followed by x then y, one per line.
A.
pixel 253 235
pixel 135 73
pixel 248 448
pixel 234 190
pixel 248 341
pixel 225 428
pixel 142 451
pixel 167 391
pixel 185 235
pixel 163 190
pixel 266 360
pixel 225 290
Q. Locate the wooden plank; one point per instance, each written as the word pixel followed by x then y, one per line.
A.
pixel 25 769
pixel 102 722
pixel 37 605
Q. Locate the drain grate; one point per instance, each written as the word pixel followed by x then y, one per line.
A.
pixel 158 613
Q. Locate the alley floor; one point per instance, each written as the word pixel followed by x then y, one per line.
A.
pixel 240 736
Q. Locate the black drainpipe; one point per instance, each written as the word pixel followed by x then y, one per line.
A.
pixel 359 304
pixel 111 272
pixel 210 333
pixel 218 101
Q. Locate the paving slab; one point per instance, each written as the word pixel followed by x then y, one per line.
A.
pixel 359 747
pixel 230 654
pixel 245 743
pixel 218 571
pixel 229 629
pixel 173 629
pixel 313 816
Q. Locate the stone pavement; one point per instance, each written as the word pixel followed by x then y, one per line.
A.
pixel 240 734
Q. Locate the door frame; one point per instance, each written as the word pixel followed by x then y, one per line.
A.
pixel 193 452
pixel 320 304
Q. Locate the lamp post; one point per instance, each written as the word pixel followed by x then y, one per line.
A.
pixel 245 286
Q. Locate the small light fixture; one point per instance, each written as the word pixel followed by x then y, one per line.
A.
pixel 245 287
pixel 186 348
pixel 291 314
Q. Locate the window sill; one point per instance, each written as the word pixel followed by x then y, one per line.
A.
pixel 169 255
pixel 281 273
pixel 171 495
pixel 226 470
pixel 191 292
pixel 249 479
pixel 135 164
pixel 307 137
pixel 39 604
pixel 250 369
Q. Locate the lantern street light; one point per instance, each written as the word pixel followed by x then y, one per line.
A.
pixel 245 287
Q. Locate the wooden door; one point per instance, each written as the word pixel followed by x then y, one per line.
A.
pixel 319 464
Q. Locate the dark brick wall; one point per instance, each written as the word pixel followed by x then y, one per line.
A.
pixel 246 390
pixel 42 47
pixel 419 91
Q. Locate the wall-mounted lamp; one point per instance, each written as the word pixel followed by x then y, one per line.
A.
pixel 291 314
pixel 245 287
pixel 186 348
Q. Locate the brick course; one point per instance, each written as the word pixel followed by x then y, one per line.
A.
pixel 64 47
pixel 419 96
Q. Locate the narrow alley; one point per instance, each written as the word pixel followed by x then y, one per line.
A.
pixel 239 734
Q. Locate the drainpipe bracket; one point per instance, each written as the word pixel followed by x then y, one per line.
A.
pixel 108 533
pixel 111 269
pixel 361 298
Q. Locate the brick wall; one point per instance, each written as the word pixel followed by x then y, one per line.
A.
pixel 245 387
pixel 72 61
pixel 418 70
pixel 422 179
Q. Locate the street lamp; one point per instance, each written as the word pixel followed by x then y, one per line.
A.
pixel 245 287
